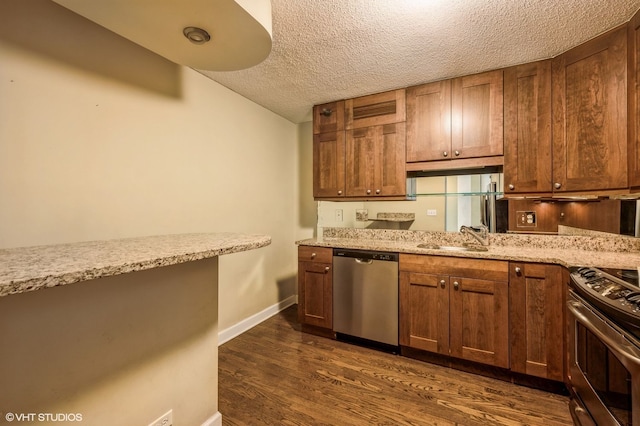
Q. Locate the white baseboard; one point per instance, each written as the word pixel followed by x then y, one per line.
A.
pixel 215 420
pixel 248 323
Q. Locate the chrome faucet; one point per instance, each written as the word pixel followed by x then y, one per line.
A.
pixel 482 237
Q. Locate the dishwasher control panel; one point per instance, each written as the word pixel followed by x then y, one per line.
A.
pixel 365 254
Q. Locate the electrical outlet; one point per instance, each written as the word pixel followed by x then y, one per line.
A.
pixel 164 420
pixel 338 215
pixel 526 219
pixel 432 212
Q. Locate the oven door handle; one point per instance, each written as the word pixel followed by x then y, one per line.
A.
pixel 628 356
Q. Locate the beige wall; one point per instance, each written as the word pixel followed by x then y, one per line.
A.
pixel 101 139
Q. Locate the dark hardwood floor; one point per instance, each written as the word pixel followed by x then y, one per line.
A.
pixel 276 375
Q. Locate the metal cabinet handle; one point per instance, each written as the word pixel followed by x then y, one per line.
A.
pixel 557 185
pixel 368 191
pixel 442 283
pixel 518 270
pixel 326 112
pixel 457 153
pixel 445 154
pixel 326 268
pixel 377 191
pixel 456 284
pixel 511 186
pixel 313 255
pixel 340 192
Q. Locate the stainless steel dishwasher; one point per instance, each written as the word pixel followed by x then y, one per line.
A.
pixel 365 295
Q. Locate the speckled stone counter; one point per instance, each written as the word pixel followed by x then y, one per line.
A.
pixel 32 268
pixel 605 252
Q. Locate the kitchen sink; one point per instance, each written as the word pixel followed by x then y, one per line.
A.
pixel 463 247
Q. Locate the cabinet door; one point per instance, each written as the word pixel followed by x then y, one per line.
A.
pixel 633 38
pixel 390 177
pixel 315 297
pixel 375 161
pixel 328 117
pixel 375 110
pixel 477 115
pixel 424 307
pixel 590 115
pixel 479 322
pixel 527 128
pixel 329 165
pixel 536 319
pixel 429 122
pixel 360 161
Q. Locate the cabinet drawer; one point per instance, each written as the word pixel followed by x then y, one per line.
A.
pixel 486 269
pixel 315 254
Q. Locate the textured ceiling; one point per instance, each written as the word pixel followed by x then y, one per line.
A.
pixel 338 49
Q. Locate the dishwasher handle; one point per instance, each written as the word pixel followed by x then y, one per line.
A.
pixel 362 261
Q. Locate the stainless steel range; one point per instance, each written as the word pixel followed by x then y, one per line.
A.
pixel 604 346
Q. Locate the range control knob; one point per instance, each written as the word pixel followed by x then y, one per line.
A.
pixel 633 297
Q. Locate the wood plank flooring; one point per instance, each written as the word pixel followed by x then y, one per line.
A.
pixel 276 375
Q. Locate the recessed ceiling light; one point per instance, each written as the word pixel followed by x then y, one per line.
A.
pixel 196 35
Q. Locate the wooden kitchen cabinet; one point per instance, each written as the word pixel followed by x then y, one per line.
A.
pixel 329 162
pixel 428 121
pixel 328 118
pixel 375 161
pixel 536 318
pixel 366 161
pixel 329 150
pixel 459 120
pixel 590 115
pixel 456 307
pixel 527 128
pixel 315 286
pixel 477 119
pixel 633 67
pixel 375 110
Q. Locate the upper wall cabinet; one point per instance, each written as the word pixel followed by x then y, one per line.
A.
pixel 634 100
pixel 375 161
pixel 527 128
pixel 375 110
pixel 328 117
pixel 459 119
pixel 428 121
pixel 375 145
pixel 329 165
pixel 328 150
pixel 367 160
pixel 477 119
pixel 590 115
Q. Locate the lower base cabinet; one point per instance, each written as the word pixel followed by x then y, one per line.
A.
pixel 505 314
pixel 456 307
pixel 315 286
pixel 537 319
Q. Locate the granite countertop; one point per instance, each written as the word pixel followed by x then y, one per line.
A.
pixel 567 251
pixel 26 269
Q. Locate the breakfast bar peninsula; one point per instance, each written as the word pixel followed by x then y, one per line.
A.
pixel 113 332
